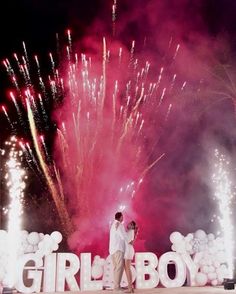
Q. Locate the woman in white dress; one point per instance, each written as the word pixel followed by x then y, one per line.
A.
pixel 129 253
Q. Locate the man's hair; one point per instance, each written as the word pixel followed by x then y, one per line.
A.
pixel 118 215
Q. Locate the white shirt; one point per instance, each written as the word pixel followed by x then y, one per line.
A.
pixel 118 237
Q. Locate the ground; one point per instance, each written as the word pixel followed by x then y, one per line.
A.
pixel 182 290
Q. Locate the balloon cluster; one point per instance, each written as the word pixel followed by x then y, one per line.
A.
pixel 34 242
pixel 208 253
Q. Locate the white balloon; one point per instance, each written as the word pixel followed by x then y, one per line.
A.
pixel 39 253
pixel 202 248
pixel 24 244
pixel 210 243
pixel 211 237
pixel 41 236
pixel 224 270
pixel 24 233
pixel 188 247
pixel 30 249
pixel 223 267
pixel 220 280
pixel 205 269
pixel 211 269
pixel 212 276
pixel 216 264
pixel 200 234
pixel 219 239
pixel 55 247
pixel 36 248
pixel 189 237
pixel 175 237
pixel 203 241
pixel 180 247
pixel 220 256
pixel 221 246
pixel 46 237
pixel 173 248
pixel 212 250
pixel 33 238
pixel 97 271
pixel 48 241
pixel 41 245
pixel 56 236
pixel 209 262
pixel 215 282
pixel 47 251
pixel 201 279
pixel 202 262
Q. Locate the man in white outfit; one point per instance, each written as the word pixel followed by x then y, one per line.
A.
pixel 117 248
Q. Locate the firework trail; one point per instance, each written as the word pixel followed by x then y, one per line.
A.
pixel 114 16
pixel 224 195
pixel 45 147
pixel 60 205
pixel 7 116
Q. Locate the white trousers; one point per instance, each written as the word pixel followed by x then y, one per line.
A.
pixel 118 267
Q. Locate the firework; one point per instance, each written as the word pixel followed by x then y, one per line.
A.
pixel 56 197
pixel 114 8
pixel 7 116
pixel 15 178
pixel 224 195
pixel 44 145
pixel 106 126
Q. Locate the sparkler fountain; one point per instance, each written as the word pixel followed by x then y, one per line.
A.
pixel 224 195
pixel 15 177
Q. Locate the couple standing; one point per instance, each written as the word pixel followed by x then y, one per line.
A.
pixel 121 250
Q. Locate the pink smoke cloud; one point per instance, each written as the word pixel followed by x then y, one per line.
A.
pixel 167 198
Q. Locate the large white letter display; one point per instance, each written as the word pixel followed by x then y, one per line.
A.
pixel 196 259
pixel 146 264
pixel 180 270
pixel 67 273
pixel 33 274
pixel 86 283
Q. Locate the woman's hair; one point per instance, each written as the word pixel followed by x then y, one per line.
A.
pixel 135 228
pixel 133 224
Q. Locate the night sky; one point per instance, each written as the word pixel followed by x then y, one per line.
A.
pixel 177 187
